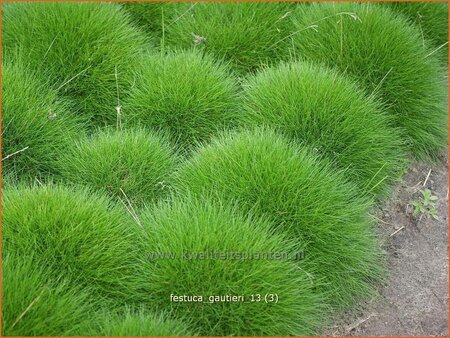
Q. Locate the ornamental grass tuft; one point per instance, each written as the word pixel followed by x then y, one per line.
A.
pixel 150 16
pixel 37 126
pixel 89 51
pixel 248 35
pixel 388 55
pixel 36 302
pixel 189 227
pixel 136 323
pixel 327 111
pixel 77 234
pixel 184 93
pixel 304 197
pixel 431 19
pixel 131 165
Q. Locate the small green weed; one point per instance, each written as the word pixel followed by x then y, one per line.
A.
pixel 426 205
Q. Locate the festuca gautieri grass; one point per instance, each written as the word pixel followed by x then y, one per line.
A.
pixel 153 140
pixel 303 197
pixel 36 125
pixel 87 50
pixel 248 35
pixel 135 323
pixel 151 16
pixel 189 227
pixel 389 56
pixel 78 234
pixel 190 95
pixel 325 110
pixel 432 20
pixel 132 165
pixel 37 302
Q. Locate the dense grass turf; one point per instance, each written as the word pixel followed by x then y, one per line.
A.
pixel 386 53
pixel 330 113
pixel 36 126
pixel 302 197
pixel 137 323
pixel 131 163
pixel 246 34
pixel 150 16
pixel 88 51
pixel 77 234
pixel 185 93
pixel 35 304
pixel 432 20
pixel 198 226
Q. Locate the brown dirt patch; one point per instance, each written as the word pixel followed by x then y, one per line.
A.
pixel 415 299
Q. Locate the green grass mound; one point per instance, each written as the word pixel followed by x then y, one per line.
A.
pixel 36 127
pixel 77 234
pixel 133 165
pixel 185 93
pixel 386 53
pixel 138 324
pixel 246 34
pixel 186 228
pixel 150 16
pixel 88 51
pixel 431 18
pixel 34 305
pixel 302 197
pixel 330 113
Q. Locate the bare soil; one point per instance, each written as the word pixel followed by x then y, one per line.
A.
pixel 415 298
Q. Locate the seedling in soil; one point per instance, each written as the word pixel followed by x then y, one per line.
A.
pixel 426 205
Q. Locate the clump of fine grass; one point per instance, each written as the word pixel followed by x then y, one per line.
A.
pixel 387 54
pixel 77 234
pixel 89 51
pixel 187 94
pixel 303 197
pixel 34 304
pixel 132 165
pixel 189 227
pixel 150 16
pixel 431 18
pixel 327 111
pixel 246 34
pixel 36 126
pixel 136 323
